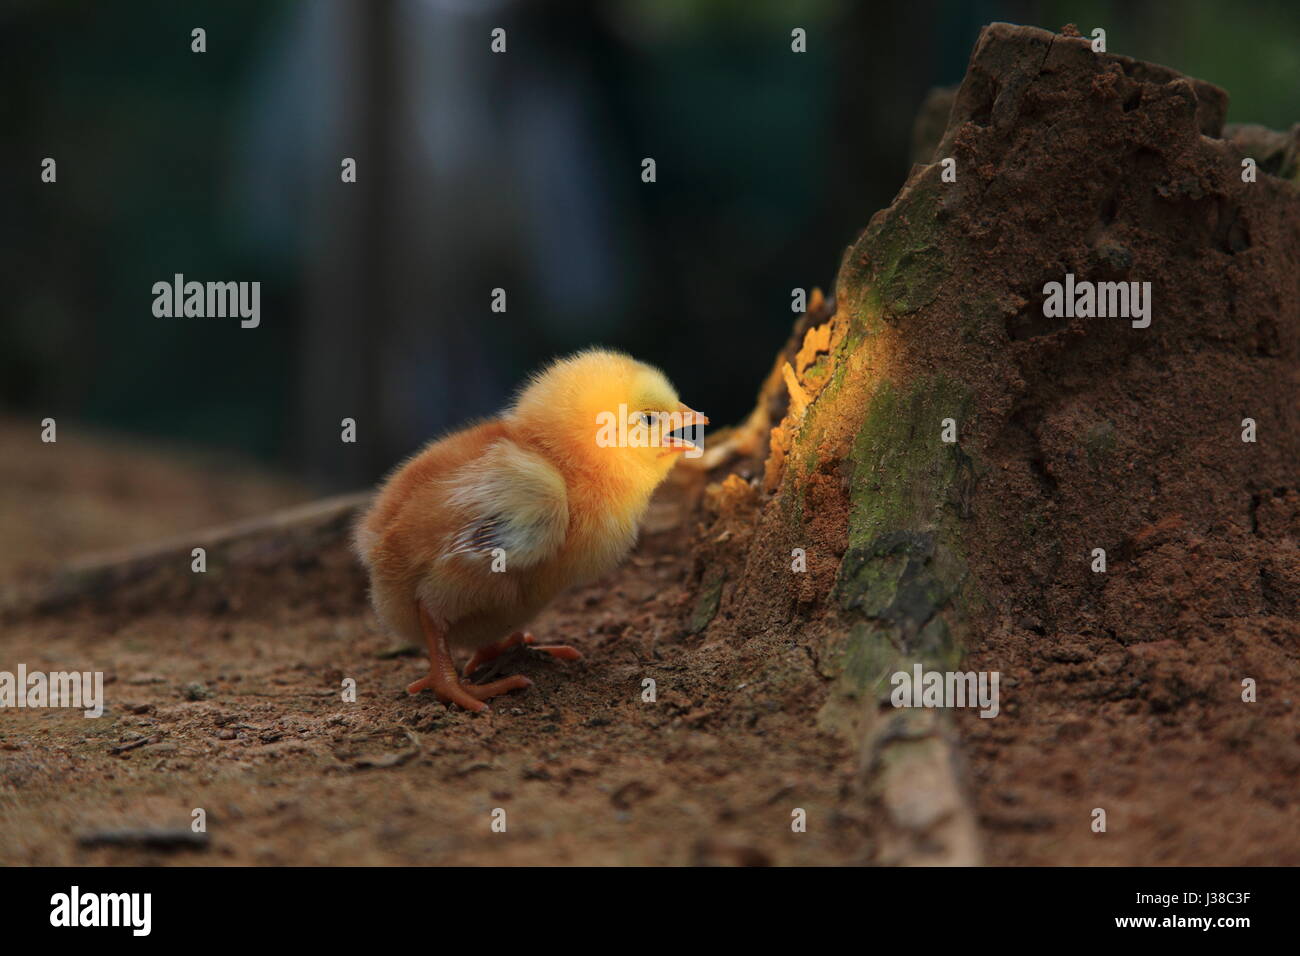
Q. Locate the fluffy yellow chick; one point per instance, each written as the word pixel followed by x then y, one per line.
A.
pixel 469 539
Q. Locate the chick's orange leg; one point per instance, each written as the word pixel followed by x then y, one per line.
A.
pixel 442 679
pixel 492 651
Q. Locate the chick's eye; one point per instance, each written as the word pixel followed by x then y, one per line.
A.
pixel 646 418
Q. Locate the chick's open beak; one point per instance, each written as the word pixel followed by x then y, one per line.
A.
pixel 690 418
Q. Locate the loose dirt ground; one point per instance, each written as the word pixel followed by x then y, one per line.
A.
pixel 225 694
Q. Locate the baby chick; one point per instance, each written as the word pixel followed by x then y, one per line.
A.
pixel 469 539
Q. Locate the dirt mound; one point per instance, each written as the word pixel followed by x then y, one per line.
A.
pixel 1123 688
pixel 1093 433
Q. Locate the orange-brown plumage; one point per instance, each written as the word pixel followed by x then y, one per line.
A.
pixel 474 535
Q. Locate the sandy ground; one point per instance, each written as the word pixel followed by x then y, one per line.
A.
pixel 225 694
pixel 584 769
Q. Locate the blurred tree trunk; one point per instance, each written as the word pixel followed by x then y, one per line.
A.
pixel 350 299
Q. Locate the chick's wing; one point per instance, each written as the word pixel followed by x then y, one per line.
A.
pixel 510 501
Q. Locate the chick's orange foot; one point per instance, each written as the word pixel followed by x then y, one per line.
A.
pixel 442 678
pixel 469 696
pixel 491 652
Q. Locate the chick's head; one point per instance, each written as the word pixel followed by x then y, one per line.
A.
pixel 610 416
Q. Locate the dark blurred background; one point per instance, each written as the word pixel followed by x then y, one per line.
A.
pixel 476 170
